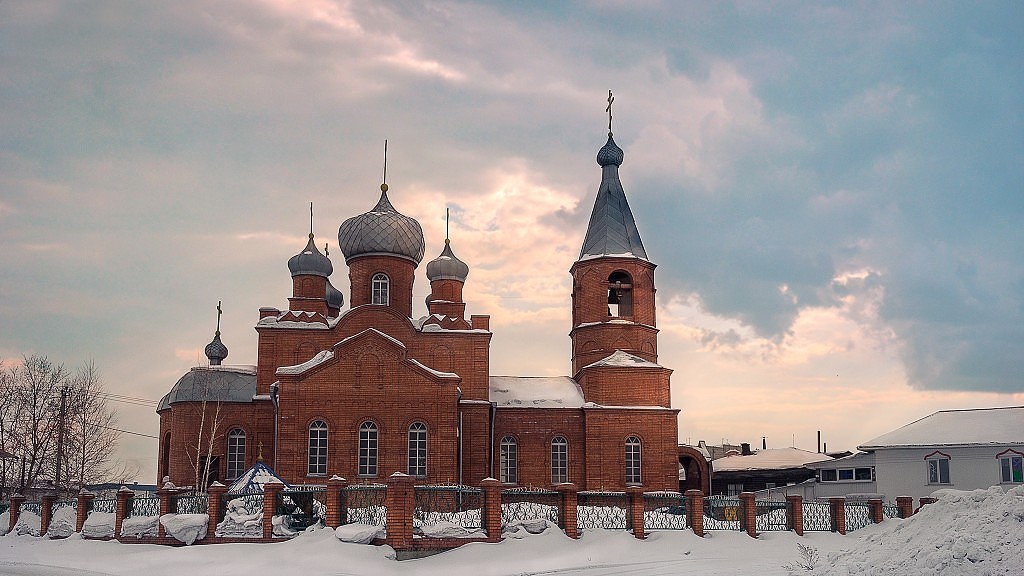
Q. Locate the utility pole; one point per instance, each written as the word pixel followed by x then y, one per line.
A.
pixel 60 435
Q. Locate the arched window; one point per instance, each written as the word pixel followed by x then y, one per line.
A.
pixel 317 449
pixel 380 289
pixel 633 461
pixel 368 449
pixel 236 453
pixel 620 294
pixel 559 460
pixel 509 460
pixel 418 449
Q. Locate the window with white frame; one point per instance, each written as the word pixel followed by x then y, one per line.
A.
pixel 379 286
pixel 317 449
pixel 1011 468
pixel 633 469
pixel 418 449
pixel 863 474
pixel 559 460
pixel 938 468
pixel 368 449
pixel 509 465
pixel 236 453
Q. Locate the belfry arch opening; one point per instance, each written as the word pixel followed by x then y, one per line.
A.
pixel 620 294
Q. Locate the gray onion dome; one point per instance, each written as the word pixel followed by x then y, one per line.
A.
pixel 382 230
pixel 310 262
pixel 610 153
pixel 216 351
pixel 447 266
pixel 335 299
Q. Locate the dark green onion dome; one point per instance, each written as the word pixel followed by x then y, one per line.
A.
pixel 610 153
pixel 216 351
pixel 382 230
pixel 447 266
pixel 310 262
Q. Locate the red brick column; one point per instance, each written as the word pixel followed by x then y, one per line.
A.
pixel 695 511
pixel 164 495
pixel 121 511
pixel 837 509
pixel 748 501
pixel 45 513
pixel 568 511
pixel 635 494
pixel 400 500
pixel 215 496
pixel 16 501
pixel 270 491
pixel 492 508
pixel 335 515
pixel 875 508
pixel 85 499
pixel 905 505
pixel 924 502
pixel 795 514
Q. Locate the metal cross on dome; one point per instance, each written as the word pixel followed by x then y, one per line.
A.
pixel 609 111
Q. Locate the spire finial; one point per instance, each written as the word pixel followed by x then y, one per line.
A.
pixel 259 456
pixel 447 213
pixel 219 312
pixel 384 184
pixel 310 219
pixel 609 111
pixel 326 253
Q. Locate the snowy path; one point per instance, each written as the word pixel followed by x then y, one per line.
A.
pixel 20 569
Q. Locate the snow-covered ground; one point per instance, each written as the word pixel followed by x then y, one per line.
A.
pixel 965 533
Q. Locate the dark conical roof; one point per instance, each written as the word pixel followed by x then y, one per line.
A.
pixel 382 230
pixel 447 266
pixel 612 230
pixel 216 351
pixel 310 261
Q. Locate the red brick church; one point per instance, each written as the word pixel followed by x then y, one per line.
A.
pixel 378 387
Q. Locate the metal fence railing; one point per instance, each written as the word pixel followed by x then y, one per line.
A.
pixel 460 505
pixel 364 504
pixel 530 504
pixel 890 511
pixel 771 515
pixel 722 513
pixel 817 517
pixel 73 504
pixel 4 507
pixel 306 505
pixel 608 510
pixel 252 503
pixel 32 508
pixel 143 507
pixel 857 516
pixel 664 511
pixel 189 503
pixel 107 505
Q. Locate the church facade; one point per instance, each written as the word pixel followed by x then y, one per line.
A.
pixel 372 389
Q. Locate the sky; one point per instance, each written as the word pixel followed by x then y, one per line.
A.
pixel 832 191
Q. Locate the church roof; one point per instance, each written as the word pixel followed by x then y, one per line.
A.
pixel 612 231
pixel 447 266
pixel 213 384
pixel 622 359
pixel 535 392
pixel 252 480
pixel 382 230
pixel 310 261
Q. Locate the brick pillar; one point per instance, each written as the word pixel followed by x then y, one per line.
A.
pixel 905 506
pixel 214 495
pixel 45 513
pixel 270 491
pixel 748 501
pixel 568 511
pixel 400 501
pixel 16 501
pixel 335 516
pixel 492 508
pixel 924 502
pixel 121 511
pixel 85 499
pixel 695 511
pixel 837 510
pixel 164 495
pixel 875 508
pixel 635 494
pixel 795 514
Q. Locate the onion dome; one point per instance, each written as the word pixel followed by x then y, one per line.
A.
pixel 310 262
pixel 335 299
pixel 216 351
pixel 447 266
pixel 382 230
pixel 610 153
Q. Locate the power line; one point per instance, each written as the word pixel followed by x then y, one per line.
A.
pixel 128 431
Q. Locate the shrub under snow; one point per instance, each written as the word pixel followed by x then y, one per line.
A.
pixel 62 524
pixel 185 528
pixel 140 526
pixel 28 523
pixel 99 525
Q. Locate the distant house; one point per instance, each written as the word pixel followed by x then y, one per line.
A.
pixel 761 470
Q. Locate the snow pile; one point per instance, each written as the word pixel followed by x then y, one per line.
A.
pixel 446 529
pixel 238 522
pixel 98 525
pixel 140 526
pixel 5 521
pixel 28 523
pixel 282 524
pixel 359 533
pixel 980 532
pixel 523 528
pixel 62 524
pixel 185 528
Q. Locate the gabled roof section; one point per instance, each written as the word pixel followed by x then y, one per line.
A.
pixel 982 426
pixel 252 480
pixel 535 392
pixel 770 459
pixel 612 230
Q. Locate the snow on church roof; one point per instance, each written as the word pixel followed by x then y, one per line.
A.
pixel 535 392
pixel 621 359
pixel 253 479
pixel 957 428
pixel 770 459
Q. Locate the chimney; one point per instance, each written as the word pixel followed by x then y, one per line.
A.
pixel 745 449
pixel 819 441
pixel 764 442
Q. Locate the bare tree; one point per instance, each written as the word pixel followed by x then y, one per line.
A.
pixel 208 431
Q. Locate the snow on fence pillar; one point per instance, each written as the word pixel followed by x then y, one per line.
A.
pixel 336 515
pixel 85 499
pixel 214 501
pixel 45 513
pixel 121 511
pixel 837 511
pixel 568 511
pixel 270 491
pixel 16 501
pixel 635 495
pixel 905 506
pixel 400 501
pixel 795 513
pixel 875 507
pixel 695 511
pixel 748 501
pixel 925 501
pixel 491 520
